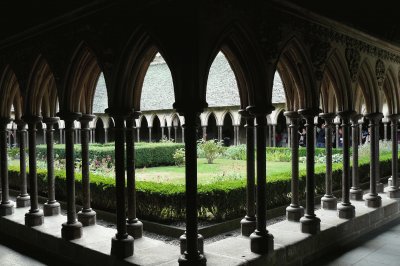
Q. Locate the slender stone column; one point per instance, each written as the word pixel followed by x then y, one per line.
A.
pixel 23 199
pixel 51 207
pixel 294 211
pixel 138 134
pixel 183 135
pixel 261 241
pixel 385 130
pixel 176 133
pixel 204 133
pixel 274 135
pixel 122 243
pixel 86 216
pixel 393 190
pixel 6 205
pixel 61 136
pixel 134 226
pixel 105 135
pixel 248 223
pixel 191 255
pixel 356 192
pixel 337 137
pixel 269 135
pixel 360 133
pixel 372 199
pixel 310 223
pixel 72 229
pixel 328 201
pixel 345 209
pixel 169 133
pixel 219 133
pixel 149 134
pixel 289 136
pixel 35 216
pixel 162 132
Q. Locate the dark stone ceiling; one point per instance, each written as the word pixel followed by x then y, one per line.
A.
pixel 377 18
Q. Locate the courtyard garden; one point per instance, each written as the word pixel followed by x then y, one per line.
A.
pixel 160 175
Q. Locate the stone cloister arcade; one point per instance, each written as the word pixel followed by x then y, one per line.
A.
pixel 328 70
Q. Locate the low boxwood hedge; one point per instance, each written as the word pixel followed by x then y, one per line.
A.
pixel 218 201
pixel 146 154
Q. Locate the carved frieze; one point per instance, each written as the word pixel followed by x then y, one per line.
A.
pixel 319 53
pixel 270 35
pixel 353 62
pixel 380 72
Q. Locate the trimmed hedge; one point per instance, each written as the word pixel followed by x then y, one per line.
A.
pixel 219 201
pixel 146 154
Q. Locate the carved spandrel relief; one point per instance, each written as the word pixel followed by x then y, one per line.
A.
pixel 353 58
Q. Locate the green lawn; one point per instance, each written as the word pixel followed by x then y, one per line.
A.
pixel 207 173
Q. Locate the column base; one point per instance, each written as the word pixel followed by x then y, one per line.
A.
pixel 347 211
pixel 23 201
pixel 379 187
pixel 328 202
pixel 87 218
pixel 261 242
pixel 6 208
pixel 390 181
pixel 184 260
pixel 122 248
pixel 248 225
pixel 393 192
pixel 50 209
pixel 356 194
pixel 34 218
pixel 294 213
pixel 71 231
pixel 310 224
pixel 135 229
pixel 200 243
pixel 373 200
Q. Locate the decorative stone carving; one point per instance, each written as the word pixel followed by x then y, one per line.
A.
pixel 353 62
pixel 319 53
pixel 380 72
pixel 270 35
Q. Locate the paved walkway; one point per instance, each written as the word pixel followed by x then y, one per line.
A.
pixel 10 257
pixel 381 247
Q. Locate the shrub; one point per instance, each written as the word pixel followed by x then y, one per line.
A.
pixel 211 149
pixel 179 157
pixel 236 152
pixel 146 154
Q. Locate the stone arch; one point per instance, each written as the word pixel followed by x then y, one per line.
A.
pixel 82 76
pixel 131 69
pixel 10 94
pixel 368 85
pixel 227 129
pixel 336 85
pixel 391 93
pixel 245 60
pixel 156 128
pixel 100 134
pixel 144 129
pixel 297 76
pixel 212 129
pixel 41 96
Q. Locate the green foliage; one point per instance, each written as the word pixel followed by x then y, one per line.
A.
pixel 223 199
pixel 179 157
pixel 236 152
pixel 146 154
pixel 211 149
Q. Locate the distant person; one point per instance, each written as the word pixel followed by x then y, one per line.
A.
pixel 321 136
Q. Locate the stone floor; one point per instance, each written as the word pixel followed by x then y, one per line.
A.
pixel 381 247
pixel 11 257
pixel 291 246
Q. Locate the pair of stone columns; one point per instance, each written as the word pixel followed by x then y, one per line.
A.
pixel 129 227
pixel 261 241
